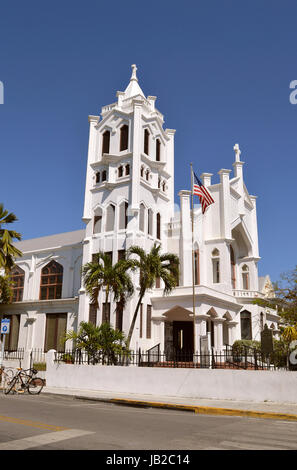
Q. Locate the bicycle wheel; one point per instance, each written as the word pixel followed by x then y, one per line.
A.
pixel 13 385
pixel 35 385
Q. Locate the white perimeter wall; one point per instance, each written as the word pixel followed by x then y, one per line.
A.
pixel 277 386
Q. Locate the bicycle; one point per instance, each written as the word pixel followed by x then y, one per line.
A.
pixel 25 380
pixel 6 375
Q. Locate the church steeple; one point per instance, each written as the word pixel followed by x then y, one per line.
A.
pixel 133 89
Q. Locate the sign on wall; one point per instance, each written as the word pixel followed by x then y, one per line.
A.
pixel 5 326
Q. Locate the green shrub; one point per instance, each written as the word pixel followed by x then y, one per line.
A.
pixel 39 365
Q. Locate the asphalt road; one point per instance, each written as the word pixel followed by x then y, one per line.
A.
pixel 50 422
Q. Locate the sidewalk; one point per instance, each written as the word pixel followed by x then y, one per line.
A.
pixel 268 410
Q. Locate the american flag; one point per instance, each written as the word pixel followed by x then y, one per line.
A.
pixel 201 191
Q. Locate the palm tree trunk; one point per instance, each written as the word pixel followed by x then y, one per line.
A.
pixel 134 320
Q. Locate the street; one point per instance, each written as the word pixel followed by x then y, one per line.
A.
pixel 50 422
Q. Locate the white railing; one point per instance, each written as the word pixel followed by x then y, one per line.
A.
pixel 247 293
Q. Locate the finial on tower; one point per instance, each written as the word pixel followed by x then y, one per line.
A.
pixel 133 76
pixel 237 152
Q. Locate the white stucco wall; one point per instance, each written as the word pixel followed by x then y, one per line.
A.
pixel 194 383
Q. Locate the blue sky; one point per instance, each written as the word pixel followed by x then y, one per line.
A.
pixel 221 70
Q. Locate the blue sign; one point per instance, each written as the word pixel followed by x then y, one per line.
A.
pixel 5 326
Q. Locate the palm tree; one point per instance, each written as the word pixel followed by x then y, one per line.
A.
pixel 99 342
pixel 152 266
pixel 101 273
pixel 5 289
pixel 7 251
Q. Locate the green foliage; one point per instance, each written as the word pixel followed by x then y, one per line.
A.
pixel 7 251
pixel 101 273
pixel 5 289
pixel 99 342
pixel 151 266
pixel 240 346
pixel 285 300
pixel 41 366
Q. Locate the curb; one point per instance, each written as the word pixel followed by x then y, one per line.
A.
pixel 204 410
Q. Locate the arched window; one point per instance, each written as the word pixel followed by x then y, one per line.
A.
pixel 141 217
pixel 51 281
pixel 110 215
pixel 158 150
pixel 123 216
pixel 98 177
pixel 233 273
pixel 158 226
pixel 147 175
pixel 104 175
pixel 146 141
pixel 245 277
pixel 164 186
pixel 246 324
pixel 120 171
pixel 150 222
pixel 141 171
pixel 216 266
pixel 105 142
pixel 17 276
pixel 97 221
pixel 127 169
pixel 124 137
pixel 159 183
pixel 196 267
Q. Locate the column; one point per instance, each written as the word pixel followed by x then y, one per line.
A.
pixel 218 334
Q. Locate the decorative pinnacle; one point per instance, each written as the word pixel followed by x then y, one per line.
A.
pixel 237 152
pixel 133 76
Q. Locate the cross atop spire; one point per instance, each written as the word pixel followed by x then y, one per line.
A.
pixel 237 152
pixel 133 89
pixel 133 76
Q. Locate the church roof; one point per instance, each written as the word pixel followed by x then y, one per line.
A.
pixel 51 241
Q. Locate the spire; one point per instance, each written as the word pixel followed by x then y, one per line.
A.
pixel 133 88
pixel 237 152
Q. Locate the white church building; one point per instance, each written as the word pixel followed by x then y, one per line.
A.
pixel 129 200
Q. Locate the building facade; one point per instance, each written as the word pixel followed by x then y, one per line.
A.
pixel 129 200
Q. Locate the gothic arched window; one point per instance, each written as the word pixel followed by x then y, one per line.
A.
pixel 233 273
pixel 120 171
pixel 141 171
pixel 246 324
pixel 158 150
pixel 17 276
pixel 147 175
pixel 51 281
pixel 98 177
pixel 158 226
pixel 150 222
pixel 216 266
pixel 127 169
pixel 196 267
pixel 110 215
pixel 141 217
pixel 123 216
pixel 245 277
pixel 104 175
pixel 97 221
pixel 146 141
pixel 124 137
pixel 105 142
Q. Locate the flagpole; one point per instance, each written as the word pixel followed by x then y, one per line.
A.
pixel 193 260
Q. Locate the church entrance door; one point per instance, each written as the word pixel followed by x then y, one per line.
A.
pixel 183 341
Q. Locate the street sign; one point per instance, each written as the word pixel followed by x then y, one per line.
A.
pixel 5 326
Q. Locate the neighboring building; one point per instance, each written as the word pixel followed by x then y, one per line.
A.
pixel 129 200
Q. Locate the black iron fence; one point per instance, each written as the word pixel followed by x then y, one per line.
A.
pixel 38 359
pixel 246 359
pixel 14 354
